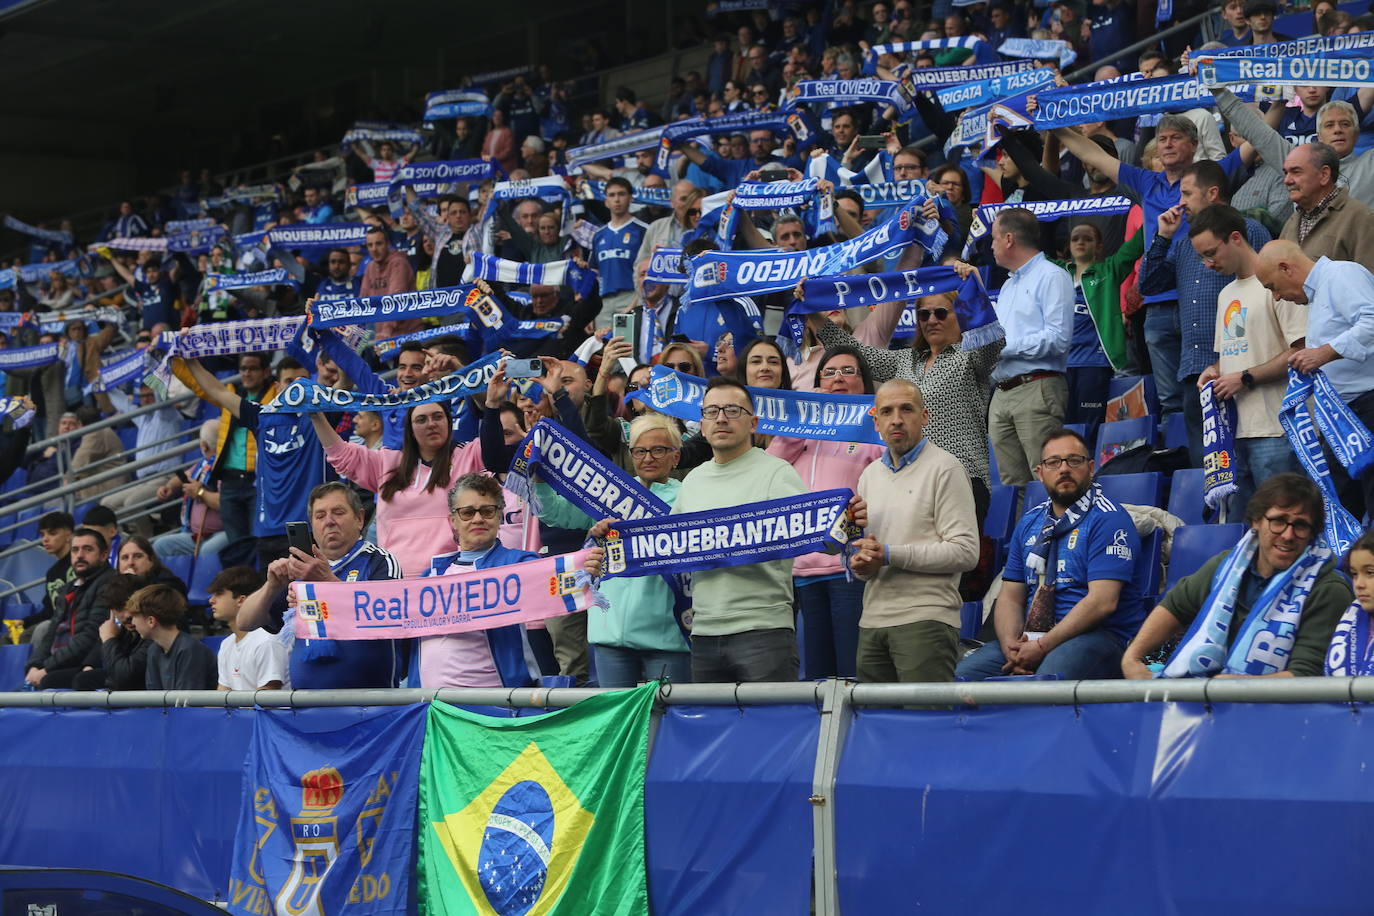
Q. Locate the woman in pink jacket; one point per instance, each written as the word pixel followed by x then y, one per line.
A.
pixel 830 603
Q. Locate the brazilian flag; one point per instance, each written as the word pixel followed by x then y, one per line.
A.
pixel 536 816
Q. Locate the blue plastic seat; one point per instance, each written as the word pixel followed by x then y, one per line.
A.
pixel 181 566
pixel 1121 435
pixel 1149 570
pixel 970 619
pixel 1185 496
pixel 1175 431
pixel 1002 514
pixel 128 435
pixel 1194 545
pixel 206 568
pixel 1144 489
pixel 1119 386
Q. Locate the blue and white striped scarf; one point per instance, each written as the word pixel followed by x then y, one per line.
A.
pixel 1351 654
pixel 1286 71
pixel 981 49
pixel 48 235
pixel 1265 642
pixel 275 276
pixel 423 303
pixel 304 396
pixel 456 103
pixel 389 346
pixel 868 89
pixel 795 122
pixel 727 274
pixel 119 369
pixel 798 414
pixel 616 147
pixel 499 270
pixel 1039 49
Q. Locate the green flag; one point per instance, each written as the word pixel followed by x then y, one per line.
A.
pixel 537 816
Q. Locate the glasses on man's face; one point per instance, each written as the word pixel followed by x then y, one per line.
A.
pixel 1073 461
pixel 658 451
pixel 1278 525
pixel 683 366
pixel 1210 255
pixel 465 513
pixel 695 213
pixel 939 314
pixel 837 371
pixel 728 411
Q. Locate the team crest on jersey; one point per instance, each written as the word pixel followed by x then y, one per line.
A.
pixel 1073 538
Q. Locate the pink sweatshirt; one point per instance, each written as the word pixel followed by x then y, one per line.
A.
pixel 875 330
pixel 413 525
pixel 824 466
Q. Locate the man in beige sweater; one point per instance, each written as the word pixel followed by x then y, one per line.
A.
pixel 921 535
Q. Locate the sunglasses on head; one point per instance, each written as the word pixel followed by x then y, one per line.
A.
pixel 940 314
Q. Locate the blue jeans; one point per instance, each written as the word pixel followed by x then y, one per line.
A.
pixel 1094 655
pixel 617 666
pixel 182 543
pixel 1258 459
pixel 830 612
pixel 1165 344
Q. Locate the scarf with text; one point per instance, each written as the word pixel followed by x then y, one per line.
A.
pixel 390 346
pixel 1344 433
pixel 843 92
pixel 797 123
pixel 552 189
pixel 1286 71
pixel 1041 556
pixel 736 536
pixel 665 266
pixel 275 276
pixel 1219 447
pixel 1266 637
pixel 649 197
pixel 930 78
pixel 230 338
pixel 1045 211
pixel 815 207
pixel 885 195
pixel 615 147
pixel 971 95
pixel 424 303
pixel 580 474
pixel 728 274
pixel 1332 45
pixel 119 369
pixel 55 236
pixel 1109 100
pixel 1039 49
pixel 1351 654
pixel 452 171
pixel 28 357
pixel 320 235
pixel 464 602
pixel 456 103
pixel 375 194
pixel 780 412
pixel 377 131
pixel 180 226
pixel 305 396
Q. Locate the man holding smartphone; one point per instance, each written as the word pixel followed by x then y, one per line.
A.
pixel 339 554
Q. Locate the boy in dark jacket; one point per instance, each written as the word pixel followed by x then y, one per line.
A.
pixel 120 660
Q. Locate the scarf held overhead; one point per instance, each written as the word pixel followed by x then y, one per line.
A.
pixel 305 396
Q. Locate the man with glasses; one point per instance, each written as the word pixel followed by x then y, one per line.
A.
pixel 340 554
pixel 742 626
pixel 1255 334
pixel 1284 516
pixel 1069 601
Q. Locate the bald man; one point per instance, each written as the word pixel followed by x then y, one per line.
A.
pixel 1340 337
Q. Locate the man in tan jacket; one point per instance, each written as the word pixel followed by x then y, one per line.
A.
pixel 922 534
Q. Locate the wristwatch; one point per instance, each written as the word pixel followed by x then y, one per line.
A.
pixel 1247 380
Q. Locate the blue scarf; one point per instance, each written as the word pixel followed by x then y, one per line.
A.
pixel 378 193
pixel 1042 554
pixel 1286 71
pixel 1039 49
pixel 37 273
pixel 275 276
pixel 322 235
pixel 794 122
pixel 28 357
pixel 377 131
pixel 887 194
pixel 180 226
pixel 1341 427
pixel 970 95
pixel 196 241
pixel 615 147
pixel 499 270
pixel 48 235
pixel 665 266
pixel 424 303
pixel 649 197
pixel 815 207
pixel 727 274
pixel 304 396
pixel 456 103
pixel 389 346
pixel 885 92
pixel 975 125
pixel 1333 45
pixel 798 414
pixel 580 474
pixel 721 7
pixel 1219 447
pixel 1267 634
pixel 1121 98
pixel 452 171
pixel 119 369
pixel 928 78
pixel 1350 653
pixel 736 536
pixel 1045 211
pixel 496 76
pixel 983 52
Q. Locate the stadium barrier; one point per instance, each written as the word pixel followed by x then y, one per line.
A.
pixel 1154 796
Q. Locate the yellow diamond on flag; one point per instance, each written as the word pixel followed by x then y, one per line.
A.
pixel 516 844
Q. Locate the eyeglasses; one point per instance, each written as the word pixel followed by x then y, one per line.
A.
pixel 680 367
pixel 1280 524
pixel 835 371
pixel 467 512
pixel 1209 256
pixel 1073 461
pixel 695 211
pixel 729 411
pixel 658 451
pixel 939 314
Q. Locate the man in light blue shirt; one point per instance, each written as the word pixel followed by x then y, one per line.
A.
pixel 1035 308
pixel 1340 338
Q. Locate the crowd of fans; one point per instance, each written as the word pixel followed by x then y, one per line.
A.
pixel 1245 252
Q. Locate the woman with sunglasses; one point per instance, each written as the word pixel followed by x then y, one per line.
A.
pixel 830 605
pixel 954 382
pixel 1099 331
pixel 638 637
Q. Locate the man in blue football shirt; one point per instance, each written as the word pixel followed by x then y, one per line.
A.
pixel 614 248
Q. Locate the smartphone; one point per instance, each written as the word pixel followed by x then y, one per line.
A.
pixel 872 141
pixel 524 368
pixel 298 535
pixel 770 173
pixel 624 326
